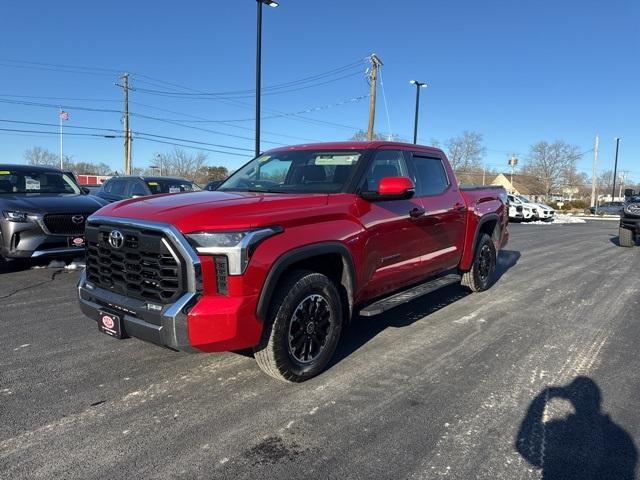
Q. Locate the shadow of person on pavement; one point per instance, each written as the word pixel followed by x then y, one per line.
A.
pixel 586 445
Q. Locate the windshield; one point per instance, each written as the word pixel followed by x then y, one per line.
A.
pixel 523 200
pixel 297 171
pixel 24 181
pixel 171 186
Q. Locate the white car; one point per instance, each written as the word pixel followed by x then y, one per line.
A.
pixel 545 212
pixel 515 212
pixel 529 210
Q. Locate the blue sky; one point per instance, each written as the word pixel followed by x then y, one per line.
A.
pixel 517 72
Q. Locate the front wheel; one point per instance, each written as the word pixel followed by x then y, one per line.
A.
pixel 480 277
pixel 302 329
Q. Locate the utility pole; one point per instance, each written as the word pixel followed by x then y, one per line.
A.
pixel 513 161
pixel 127 131
pixel 61 141
pixel 373 81
pixel 615 170
pixel 594 170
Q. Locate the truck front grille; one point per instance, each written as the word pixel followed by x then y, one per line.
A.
pixel 144 266
pixel 65 224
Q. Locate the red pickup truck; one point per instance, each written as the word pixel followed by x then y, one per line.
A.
pixel 288 249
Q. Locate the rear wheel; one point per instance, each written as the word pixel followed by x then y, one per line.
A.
pixel 480 277
pixel 303 328
pixel 626 237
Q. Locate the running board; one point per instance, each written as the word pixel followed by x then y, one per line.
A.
pixel 398 299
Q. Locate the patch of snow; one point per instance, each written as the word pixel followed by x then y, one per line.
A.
pixel 56 264
pixel 559 219
pixel 77 264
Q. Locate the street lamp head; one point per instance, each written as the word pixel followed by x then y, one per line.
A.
pixel 269 3
pixel 417 83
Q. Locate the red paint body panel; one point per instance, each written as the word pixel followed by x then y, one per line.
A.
pixel 389 248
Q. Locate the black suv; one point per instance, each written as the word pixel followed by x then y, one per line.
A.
pixel 42 212
pixel 630 222
pixel 120 188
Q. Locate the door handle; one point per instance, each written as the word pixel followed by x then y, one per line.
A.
pixel 461 207
pixel 417 212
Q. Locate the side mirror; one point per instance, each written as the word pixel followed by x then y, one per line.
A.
pixel 85 190
pixel 392 188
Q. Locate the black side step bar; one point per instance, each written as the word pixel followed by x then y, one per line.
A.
pixel 398 299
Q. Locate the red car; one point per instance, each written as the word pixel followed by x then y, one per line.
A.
pixel 288 249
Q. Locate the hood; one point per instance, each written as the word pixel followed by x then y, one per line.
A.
pixel 196 211
pixel 50 203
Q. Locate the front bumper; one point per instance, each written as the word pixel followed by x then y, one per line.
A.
pixel 199 320
pixel 28 239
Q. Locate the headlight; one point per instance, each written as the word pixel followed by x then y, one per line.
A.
pixel 633 209
pixel 13 216
pixel 237 246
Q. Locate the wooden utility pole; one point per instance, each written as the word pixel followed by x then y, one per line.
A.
pixel 373 81
pixel 594 172
pixel 127 131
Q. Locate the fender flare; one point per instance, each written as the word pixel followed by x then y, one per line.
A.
pixel 287 259
pixel 484 219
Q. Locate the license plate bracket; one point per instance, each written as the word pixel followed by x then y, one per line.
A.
pixel 111 324
pixel 76 241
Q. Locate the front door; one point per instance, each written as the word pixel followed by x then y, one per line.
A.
pixel 396 240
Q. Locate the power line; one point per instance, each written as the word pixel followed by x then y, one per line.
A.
pixel 133 131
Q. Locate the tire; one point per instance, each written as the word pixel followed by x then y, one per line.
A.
pixel 303 327
pixel 480 277
pixel 626 237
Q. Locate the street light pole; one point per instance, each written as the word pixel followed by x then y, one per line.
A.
pixel 418 85
pixel 615 171
pixel 259 66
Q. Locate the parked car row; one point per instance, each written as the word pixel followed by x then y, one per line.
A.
pixel 521 209
pixel 43 210
pixel 607 208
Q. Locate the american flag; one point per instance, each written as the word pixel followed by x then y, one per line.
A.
pixel 64 115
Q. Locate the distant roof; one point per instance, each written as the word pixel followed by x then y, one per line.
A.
pixel 29 168
pixel 526 184
pixel 354 146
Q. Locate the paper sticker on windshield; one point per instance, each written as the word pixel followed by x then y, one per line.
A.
pixel 31 184
pixel 336 159
pixel 174 189
pixel 264 158
pixel 5 172
pixel 153 184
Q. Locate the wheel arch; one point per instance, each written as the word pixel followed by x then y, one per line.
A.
pixel 330 258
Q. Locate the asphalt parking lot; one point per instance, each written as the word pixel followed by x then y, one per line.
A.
pixel 449 385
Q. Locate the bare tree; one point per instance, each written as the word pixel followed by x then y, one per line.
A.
pixel 361 136
pixel 466 151
pixel 88 168
pixel 550 162
pixel 44 157
pixel 181 164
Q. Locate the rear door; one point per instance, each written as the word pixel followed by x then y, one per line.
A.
pixel 392 254
pixel 443 223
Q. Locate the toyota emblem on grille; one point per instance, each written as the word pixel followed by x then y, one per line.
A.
pixel 116 239
pixel 78 219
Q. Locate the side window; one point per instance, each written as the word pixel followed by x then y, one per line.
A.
pixel 137 189
pixel 117 187
pixel 386 163
pixel 431 177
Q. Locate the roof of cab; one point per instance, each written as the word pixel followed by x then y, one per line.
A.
pixel 354 146
pixel 29 168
